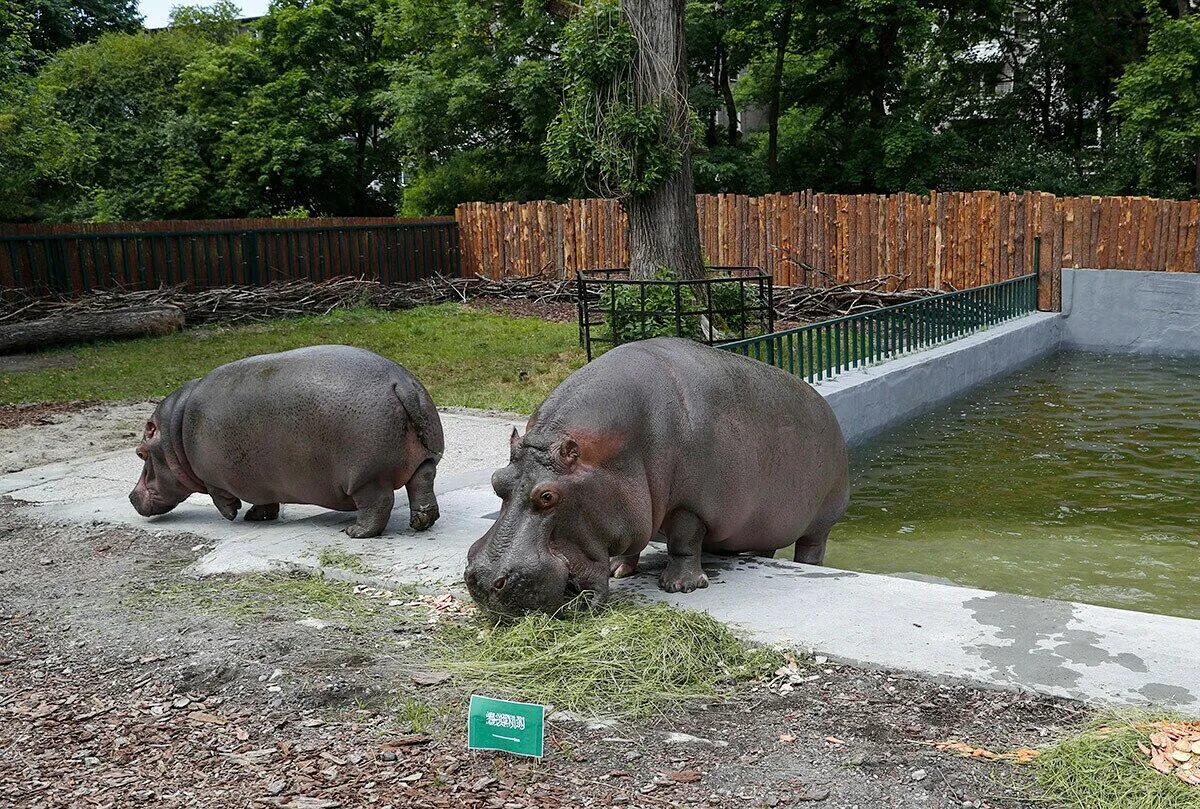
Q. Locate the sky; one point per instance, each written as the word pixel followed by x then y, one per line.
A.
pixel 157 12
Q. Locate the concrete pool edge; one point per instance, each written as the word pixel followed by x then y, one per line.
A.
pixel 1131 311
pixel 869 400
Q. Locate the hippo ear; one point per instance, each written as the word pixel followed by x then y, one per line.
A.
pixel 568 454
pixel 151 431
pixel 586 449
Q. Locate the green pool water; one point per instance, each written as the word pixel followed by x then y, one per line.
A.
pixel 1077 478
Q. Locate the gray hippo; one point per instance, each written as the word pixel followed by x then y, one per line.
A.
pixel 717 451
pixel 332 426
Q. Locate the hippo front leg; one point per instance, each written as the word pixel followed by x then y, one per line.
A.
pixel 226 503
pixel 262 512
pixel 422 504
pixel 374 504
pixel 685 538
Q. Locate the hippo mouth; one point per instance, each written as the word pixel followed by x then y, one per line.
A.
pixel 148 505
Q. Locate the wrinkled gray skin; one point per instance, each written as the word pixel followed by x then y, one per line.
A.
pixel 332 426
pixel 718 452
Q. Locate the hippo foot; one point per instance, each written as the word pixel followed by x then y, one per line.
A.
pixel 357 531
pixel 229 508
pixel 620 567
pixel 262 513
pixel 676 579
pixel 423 518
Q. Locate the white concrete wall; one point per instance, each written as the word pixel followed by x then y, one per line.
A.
pixel 1129 311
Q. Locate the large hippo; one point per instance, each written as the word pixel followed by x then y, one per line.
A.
pixel 332 426
pixel 717 451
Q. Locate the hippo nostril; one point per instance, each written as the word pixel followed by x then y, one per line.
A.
pixel 500 582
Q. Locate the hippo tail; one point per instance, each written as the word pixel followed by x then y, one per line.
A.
pixel 422 414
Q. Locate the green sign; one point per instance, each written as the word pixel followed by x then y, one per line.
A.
pixel 497 724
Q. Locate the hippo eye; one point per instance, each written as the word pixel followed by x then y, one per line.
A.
pixel 142 453
pixel 546 498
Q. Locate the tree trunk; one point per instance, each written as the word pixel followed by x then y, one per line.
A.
pixel 662 223
pixel 731 119
pixel 783 36
pixel 83 327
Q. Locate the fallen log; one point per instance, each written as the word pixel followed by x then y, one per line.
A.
pixel 82 327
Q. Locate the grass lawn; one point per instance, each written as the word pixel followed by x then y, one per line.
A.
pixel 465 357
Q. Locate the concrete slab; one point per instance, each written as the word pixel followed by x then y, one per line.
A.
pixel 1051 647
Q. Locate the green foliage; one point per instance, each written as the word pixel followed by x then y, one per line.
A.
pixel 129 150
pixel 464 356
pixel 342 107
pixel 731 170
pixel 632 658
pixel 16 42
pixel 1159 105
pixel 603 138
pixel 472 91
pixel 218 22
pixel 486 174
pixel 641 311
pixel 61 24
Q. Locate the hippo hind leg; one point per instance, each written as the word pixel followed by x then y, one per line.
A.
pixel 422 504
pixel 810 548
pixel 685 538
pixel 262 512
pixel 374 503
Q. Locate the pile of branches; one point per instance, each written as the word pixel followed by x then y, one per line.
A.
pixel 240 304
pixel 808 304
pixel 237 304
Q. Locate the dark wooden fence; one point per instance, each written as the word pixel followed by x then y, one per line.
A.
pixel 946 241
pixel 74 258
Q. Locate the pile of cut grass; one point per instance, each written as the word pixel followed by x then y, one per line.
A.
pixel 630 659
pixel 1102 768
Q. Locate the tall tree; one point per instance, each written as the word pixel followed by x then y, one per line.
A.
pixel 60 24
pixel 473 88
pixel 1159 101
pixel 625 128
pixel 663 231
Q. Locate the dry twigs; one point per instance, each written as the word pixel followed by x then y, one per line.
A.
pixel 240 304
pixel 236 304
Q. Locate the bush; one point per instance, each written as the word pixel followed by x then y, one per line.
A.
pixel 657 318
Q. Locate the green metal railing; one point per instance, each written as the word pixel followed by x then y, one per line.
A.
pixel 823 350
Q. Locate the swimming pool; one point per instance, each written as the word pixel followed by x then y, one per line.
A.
pixel 1075 478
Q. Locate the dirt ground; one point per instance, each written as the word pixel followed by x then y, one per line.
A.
pixel 123 683
pixel 37 434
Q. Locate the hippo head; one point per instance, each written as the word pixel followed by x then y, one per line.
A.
pixel 159 489
pixel 565 511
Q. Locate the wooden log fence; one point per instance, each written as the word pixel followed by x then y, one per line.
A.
pixel 945 241
pixel 71 259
